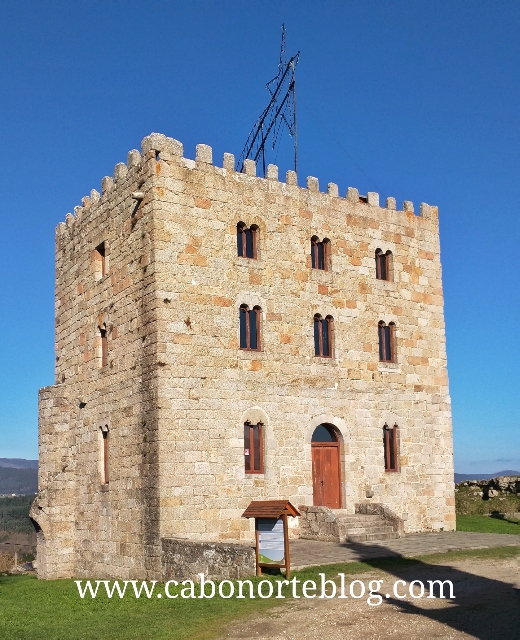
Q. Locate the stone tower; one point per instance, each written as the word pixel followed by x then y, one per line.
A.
pixel 142 436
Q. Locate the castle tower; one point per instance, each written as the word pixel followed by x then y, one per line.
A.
pixel 222 337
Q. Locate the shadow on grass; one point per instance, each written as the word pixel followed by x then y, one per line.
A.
pixel 502 516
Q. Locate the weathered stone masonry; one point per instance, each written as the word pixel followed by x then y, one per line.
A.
pixel 177 389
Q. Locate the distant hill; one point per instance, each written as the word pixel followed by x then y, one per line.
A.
pixel 462 477
pixel 18 463
pixel 18 476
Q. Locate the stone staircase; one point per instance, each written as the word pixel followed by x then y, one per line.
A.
pixel 341 525
pixel 364 528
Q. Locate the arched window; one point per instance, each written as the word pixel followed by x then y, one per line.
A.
pixel 324 433
pixel 253 448
pixel 247 240
pixel 250 328
pixel 320 253
pixel 323 336
pixel 386 342
pixel 391 448
pixel 383 264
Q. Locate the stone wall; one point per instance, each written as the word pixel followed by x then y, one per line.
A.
pixel 184 560
pixel 318 523
pixel 107 529
pixel 54 507
pixel 208 387
pixel 493 487
pixel 176 389
pixel 499 495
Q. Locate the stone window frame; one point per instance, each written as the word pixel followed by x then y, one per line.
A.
pixel 318 323
pixel 391 448
pixel 254 415
pixel 245 315
pixel 386 342
pixel 245 249
pixel 384 264
pixel 320 253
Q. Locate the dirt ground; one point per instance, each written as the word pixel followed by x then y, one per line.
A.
pixel 486 606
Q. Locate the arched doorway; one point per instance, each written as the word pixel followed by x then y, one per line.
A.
pixel 326 476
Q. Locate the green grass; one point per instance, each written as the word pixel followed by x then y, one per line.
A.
pixel 485 524
pixel 52 610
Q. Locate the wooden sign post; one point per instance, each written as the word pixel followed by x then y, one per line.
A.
pixel 271 532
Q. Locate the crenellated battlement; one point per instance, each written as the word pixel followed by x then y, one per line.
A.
pixel 157 146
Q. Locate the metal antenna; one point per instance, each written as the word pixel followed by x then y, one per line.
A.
pixel 280 111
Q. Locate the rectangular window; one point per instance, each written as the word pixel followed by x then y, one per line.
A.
pixel 319 254
pixel 391 448
pixel 246 241
pixel 104 347
pixel 99 261
pixel 250 250
pixel 323 336
pixel 383 261
pixel 386 342
pixel 253 448
pixel 381 266
pixel 104 433
pixel 253 329
pixel 250 328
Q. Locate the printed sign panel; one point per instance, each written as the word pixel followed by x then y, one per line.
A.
pixel 271 548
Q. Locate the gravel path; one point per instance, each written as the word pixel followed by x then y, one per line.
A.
pixel 486 606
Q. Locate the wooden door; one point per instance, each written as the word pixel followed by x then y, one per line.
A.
pixel 326 475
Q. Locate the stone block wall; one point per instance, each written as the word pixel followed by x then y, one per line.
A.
pixel 184 560
pixel 318 523
pixel 209 387
pixel 115 525
pixel 54 508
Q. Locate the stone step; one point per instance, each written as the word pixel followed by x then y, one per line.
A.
pixel 359 518
pixel 369 537
pixel 342 525
pixel 362 523
pixel 366 530
pixel 374 523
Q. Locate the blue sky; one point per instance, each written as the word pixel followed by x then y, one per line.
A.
pixel 416 100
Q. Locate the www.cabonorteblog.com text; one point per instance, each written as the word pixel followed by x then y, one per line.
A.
pixel 373 590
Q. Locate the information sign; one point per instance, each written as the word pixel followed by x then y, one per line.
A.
pixel 271 541
pixel 271 531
